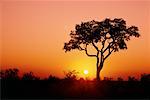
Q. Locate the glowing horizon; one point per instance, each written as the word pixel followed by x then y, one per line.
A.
pixel 33 35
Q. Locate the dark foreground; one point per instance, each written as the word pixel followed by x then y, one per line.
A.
pixel 40 89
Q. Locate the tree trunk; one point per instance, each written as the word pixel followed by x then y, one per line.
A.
pixel 98 73
pixel 98 70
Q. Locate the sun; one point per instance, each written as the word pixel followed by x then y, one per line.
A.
pixel 86 71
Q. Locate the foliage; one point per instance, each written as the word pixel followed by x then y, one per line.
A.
pixel 120 79
pixel 115 32
pixel 108 79
pixel 13 74
pixel 131 78
pixel 71 75
pixel 52 78
pixel 29 76
pixel 145 77
pixel 9 74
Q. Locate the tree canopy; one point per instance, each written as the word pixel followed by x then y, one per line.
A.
pixel 115 32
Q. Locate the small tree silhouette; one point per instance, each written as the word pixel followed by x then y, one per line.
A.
pixel 53 78
pixel 120 79
pixel 71 75
pixel 10 74
pixel 106 37
pixel 145 77
pixel 131 79
pixel 108 79
pixel 29 76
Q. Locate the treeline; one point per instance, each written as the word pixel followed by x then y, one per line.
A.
pixel 70 86
pixel 13 74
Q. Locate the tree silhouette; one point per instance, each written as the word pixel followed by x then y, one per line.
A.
pixel 53 78
pixel 29 76
pixel 131 78
pixel 71 75
pixel 145 77
pixel 120 79
pixel 108 79
pixel 106 36
pixel 9 74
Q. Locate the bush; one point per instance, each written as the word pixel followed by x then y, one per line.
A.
pixel 120 79
pixel 30 76
pixel 9 74
pixel 130 78
pixel 52 78
pixel 71 75
pixel 145 78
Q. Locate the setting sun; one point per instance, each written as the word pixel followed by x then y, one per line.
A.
pixel 86 71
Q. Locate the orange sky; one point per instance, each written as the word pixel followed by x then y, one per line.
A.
pixel 33 33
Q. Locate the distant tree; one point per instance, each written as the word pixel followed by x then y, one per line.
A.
pixel 145 78
pixel 108 79
pixel 53 78
pixel 130 78
pixel 29 76
pixel 120 79
pixel 81 79
pixel 2 74
pixel 10 74
pixel 106 37
pixel 71 75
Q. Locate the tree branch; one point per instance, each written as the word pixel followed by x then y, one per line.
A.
pixel 80 48
pixel 103 43
pixel 89 54
pixel 97 57
pixel 95 46
pixel 107 47
pixel 109 53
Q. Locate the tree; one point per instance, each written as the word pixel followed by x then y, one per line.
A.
pixel 71 75
pixel 120 79
pixel 29 76
pixel 145 77
pixel 53 78
pixel 131 78
pixel 9 74
pixel 107 36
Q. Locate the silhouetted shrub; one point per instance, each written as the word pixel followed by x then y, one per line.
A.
pixel 120 79
pixel 53 78
pixel 10 74
pixel 145 78
pixel 108 79
pixel 130 78
pixel 71 75
pixel 81 79
pixel 29 76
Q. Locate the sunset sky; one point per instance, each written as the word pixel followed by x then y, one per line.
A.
pixel 33 32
